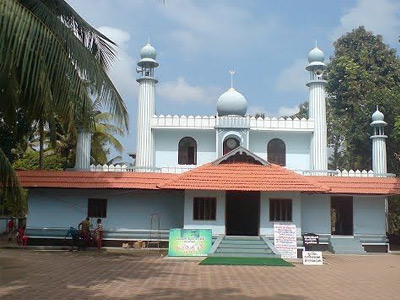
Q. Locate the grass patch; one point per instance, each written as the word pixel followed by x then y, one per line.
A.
pixel 246 261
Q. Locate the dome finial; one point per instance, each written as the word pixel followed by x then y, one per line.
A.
pixel 232 72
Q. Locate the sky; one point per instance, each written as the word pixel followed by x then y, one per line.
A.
pixel 199 41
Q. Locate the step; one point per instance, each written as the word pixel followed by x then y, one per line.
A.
pixel 242 254
pixel 230 245
pixel 242 237
pixel 247 250
pixel 243 242
pixel 349 252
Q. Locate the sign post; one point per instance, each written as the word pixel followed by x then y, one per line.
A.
pixel 312 258
pixel 285 240
pixel 189 242
pixel 310 239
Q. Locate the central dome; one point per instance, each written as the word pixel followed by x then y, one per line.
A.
pixel 231 103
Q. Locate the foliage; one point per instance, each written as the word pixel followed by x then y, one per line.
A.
pixel 394 215
pixel 51 63
pixel 363 73
pixel 51 161
pixel 303 112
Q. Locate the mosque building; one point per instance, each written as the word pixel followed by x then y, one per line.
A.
pixel 232 173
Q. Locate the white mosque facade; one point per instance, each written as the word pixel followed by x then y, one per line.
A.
pixel 232 173
pixel 178 143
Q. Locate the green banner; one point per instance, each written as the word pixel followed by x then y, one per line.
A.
pixel 189 242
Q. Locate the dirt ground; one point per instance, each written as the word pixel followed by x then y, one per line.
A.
pixel 29 274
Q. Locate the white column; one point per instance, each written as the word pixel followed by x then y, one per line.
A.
pixel 146 109
pixel 379 163
pixel 83 147
pixel 317 112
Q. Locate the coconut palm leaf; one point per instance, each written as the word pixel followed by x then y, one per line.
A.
pixel 10 187
pixel 34 39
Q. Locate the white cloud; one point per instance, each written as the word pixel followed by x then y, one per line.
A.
pixel 382 17
pixel 215 27
pixel 122 73
pixel 257 109
pixel 283 111
pixel 288 111
pixel 294 77
pixel 181 91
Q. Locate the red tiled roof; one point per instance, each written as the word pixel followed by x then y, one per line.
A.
pixel 92 180
pixel 233 176
pixel 242 177
pixel 359 185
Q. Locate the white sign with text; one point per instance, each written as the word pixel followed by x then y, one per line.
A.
pixel 285 240
pixel 312 258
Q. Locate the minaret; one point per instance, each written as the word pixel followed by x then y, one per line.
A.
pixel 83 147
pixel 146 106
pixel 317 109
pixel 379 162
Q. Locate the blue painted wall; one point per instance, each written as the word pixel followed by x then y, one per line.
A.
pixel 126 209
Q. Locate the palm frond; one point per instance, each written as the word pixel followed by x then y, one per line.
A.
pixel 10 186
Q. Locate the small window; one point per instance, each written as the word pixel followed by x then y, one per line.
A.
pixel 187 151
pixel 230 144
pixel 280 209
pixel 276 152
pixel 204 208
pixel 97 208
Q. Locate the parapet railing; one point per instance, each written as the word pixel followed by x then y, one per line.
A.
pixel 211 122
pixel 344 173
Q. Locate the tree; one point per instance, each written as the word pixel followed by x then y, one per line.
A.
pixel 50 58
pixel 363 73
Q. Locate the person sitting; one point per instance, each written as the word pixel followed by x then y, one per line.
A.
pixel 74 234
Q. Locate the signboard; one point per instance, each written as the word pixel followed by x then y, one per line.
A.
pixel 310 239
pixel 189 242
pixel 285 240
pixel 312 258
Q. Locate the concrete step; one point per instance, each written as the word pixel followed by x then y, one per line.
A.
pixel 346 245
pixel 240 237
pixel 254 246
pixel 239 250
pixel 243 254
pixel 242 242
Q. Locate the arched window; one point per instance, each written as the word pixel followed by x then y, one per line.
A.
pixel 187 151
pixel 229 144
pixel 276 152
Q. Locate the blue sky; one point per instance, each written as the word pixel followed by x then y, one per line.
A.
pixel 198 42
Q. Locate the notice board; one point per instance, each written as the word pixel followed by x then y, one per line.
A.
pixel 285 240
pixel 189 242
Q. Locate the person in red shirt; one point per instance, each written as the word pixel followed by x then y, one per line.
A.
pixel 10 227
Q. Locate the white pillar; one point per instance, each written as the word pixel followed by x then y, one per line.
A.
pixel 317 112
pixel 83 147
pixel 146 110
pixel 379 162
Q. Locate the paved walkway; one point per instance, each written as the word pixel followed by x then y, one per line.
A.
pixel 28 274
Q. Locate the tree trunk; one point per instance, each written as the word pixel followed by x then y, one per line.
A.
pixel 41 150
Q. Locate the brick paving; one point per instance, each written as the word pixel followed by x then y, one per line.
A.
pixel 28 274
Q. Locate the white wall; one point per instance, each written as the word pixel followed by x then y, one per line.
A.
pixel 316 214
pixel 167 140
pixel 217 226
pixel 297 147
pixel 369 215
pixel 126 209
pixel 267 226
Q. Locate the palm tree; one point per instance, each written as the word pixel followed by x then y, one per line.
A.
pixel 51 57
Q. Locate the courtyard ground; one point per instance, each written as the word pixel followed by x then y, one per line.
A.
pixel 29 274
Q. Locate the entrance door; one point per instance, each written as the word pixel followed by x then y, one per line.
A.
pixel 342 215
pixel 242 213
